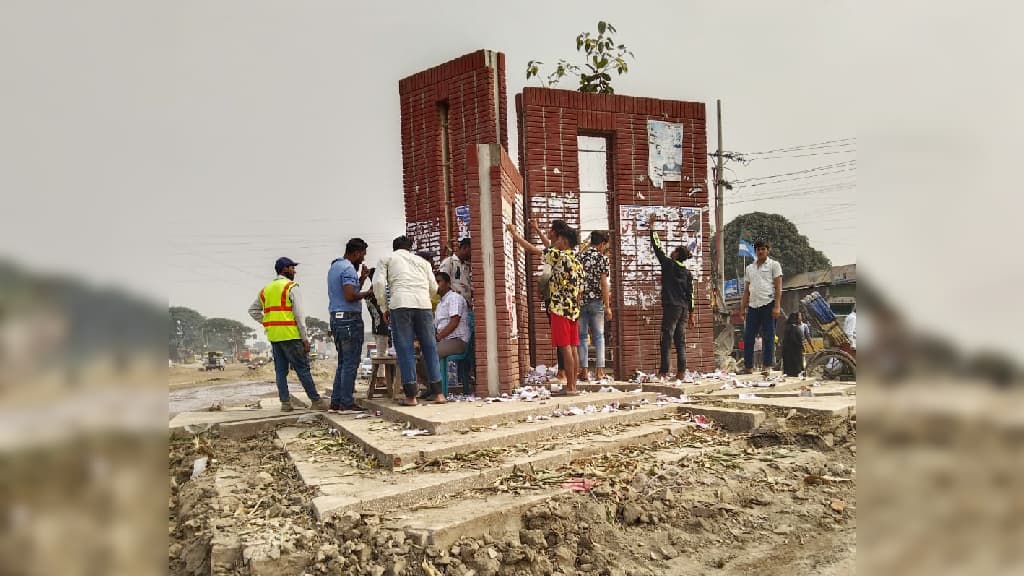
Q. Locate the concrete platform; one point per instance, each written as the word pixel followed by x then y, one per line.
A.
pixel 829 406
pixel 495 515
pixel 343 486
pixel 460 416
pixel 789 390
pixel 731 419
pixel 392 449
pixel 237 422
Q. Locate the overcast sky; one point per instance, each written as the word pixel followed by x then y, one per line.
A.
pixel 277 125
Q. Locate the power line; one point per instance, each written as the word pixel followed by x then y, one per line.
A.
pixel 807 171
pixel 842 142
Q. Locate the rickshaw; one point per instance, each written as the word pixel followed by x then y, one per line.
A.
pixel 837 359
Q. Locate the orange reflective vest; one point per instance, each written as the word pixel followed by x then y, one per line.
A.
pixel 278 318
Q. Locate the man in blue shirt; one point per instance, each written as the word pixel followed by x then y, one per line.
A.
pixel 346 313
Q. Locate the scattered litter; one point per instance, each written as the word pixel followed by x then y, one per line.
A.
pixel 308 418
pixel 415 432
pixel 664 399
pixel 362 415
pixel 575 411
pixel 608 389
pixel 542 417
pixel 580 484
pixel 806 392
pixel 590 409
pixel 748 396
pixel 199 466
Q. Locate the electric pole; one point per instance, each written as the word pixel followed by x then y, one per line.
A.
pixel 719 217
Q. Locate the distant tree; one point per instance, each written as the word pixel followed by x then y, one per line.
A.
pixel 185 331
pixel 318 329
pixel 226 334
pixel 600 56
pixel 788 245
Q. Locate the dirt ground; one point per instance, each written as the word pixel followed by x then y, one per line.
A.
pixel 781 500
pixel 191 375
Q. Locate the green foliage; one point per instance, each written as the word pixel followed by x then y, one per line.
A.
pixel 318 329
pixel 601 56
pixel 225 334
pixel 186 331
pixel 788 245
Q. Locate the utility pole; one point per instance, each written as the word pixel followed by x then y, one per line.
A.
pixel 719 216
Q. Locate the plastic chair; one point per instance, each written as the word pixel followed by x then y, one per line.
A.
pixel 461 361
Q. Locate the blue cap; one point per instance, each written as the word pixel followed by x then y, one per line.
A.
pixel 283 262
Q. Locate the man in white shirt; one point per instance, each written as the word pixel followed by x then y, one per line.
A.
pixel 450 318
pixel 458 269
pixel 412 285
pixel 761 305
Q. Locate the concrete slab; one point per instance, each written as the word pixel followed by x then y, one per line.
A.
pixel 458 416
pixel 344 487
pixel 392 449
pixel 496 515
pixel 236 421
pixel 732 419
pixel 832 406
pixel 788 390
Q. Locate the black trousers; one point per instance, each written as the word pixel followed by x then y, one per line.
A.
pixel 673 332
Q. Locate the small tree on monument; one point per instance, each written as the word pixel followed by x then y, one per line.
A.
pixel 788 246
pixel 601 56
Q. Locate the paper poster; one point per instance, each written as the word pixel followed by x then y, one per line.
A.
pixel 508 245
pixel 664 152
pixel 462 218
pixel 640 266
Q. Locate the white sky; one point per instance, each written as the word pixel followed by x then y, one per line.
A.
pixel 275 129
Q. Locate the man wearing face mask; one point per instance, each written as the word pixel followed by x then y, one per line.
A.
pixel 278 308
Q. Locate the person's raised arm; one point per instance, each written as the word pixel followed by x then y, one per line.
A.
pixel 523 242
pixel 655 241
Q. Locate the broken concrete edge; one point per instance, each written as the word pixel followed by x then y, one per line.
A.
pixel 570 425
pixel 494 519
pixel 731 419
pixel 241 429
pixel 392 414
pixel 326 506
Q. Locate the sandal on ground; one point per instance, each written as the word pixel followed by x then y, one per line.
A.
pixel 407 402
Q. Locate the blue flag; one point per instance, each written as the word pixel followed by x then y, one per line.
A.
pixel 746 244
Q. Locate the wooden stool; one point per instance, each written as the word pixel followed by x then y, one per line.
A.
pixel 389 383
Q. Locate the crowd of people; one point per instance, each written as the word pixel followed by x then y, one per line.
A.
pixel 415 307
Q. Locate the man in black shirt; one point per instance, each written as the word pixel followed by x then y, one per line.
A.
pixel 676 302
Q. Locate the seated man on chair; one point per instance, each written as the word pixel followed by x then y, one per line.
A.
pixel 450 319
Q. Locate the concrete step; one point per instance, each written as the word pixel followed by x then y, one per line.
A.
pixel 827 406
pixel 473 515
pixel 236 421
pixel 461 416
pixel 386 443
pixel 344 486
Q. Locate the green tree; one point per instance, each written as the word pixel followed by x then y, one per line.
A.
pixel 318 329
pixel 185 332
pixel 788 245
pixel 601 56
pixel 225 334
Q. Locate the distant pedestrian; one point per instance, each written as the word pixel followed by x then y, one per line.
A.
pixel 458 268
pixel 345 308
pixel 380 329
pixel 408 308
pixel 676 301
pixel 793 346
pixel 278 308
pixel 596 303
pixel 761 304
pixel 566 287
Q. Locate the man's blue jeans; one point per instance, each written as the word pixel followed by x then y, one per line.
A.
pixel 408 324
pixel 292 353
pixel 592 322
pixel 759 319
pixel 348 340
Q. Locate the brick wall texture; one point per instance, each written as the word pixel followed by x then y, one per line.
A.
pixel 472 90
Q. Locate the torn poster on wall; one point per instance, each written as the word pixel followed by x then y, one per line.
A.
pixel 462 217
pixel 426 235
pixel 508 246
pixel 640 269
pixel 664 152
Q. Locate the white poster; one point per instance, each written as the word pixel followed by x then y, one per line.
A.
pixel 641 270
pixel 664 152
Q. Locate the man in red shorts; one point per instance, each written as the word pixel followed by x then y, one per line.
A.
pixel 566 287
